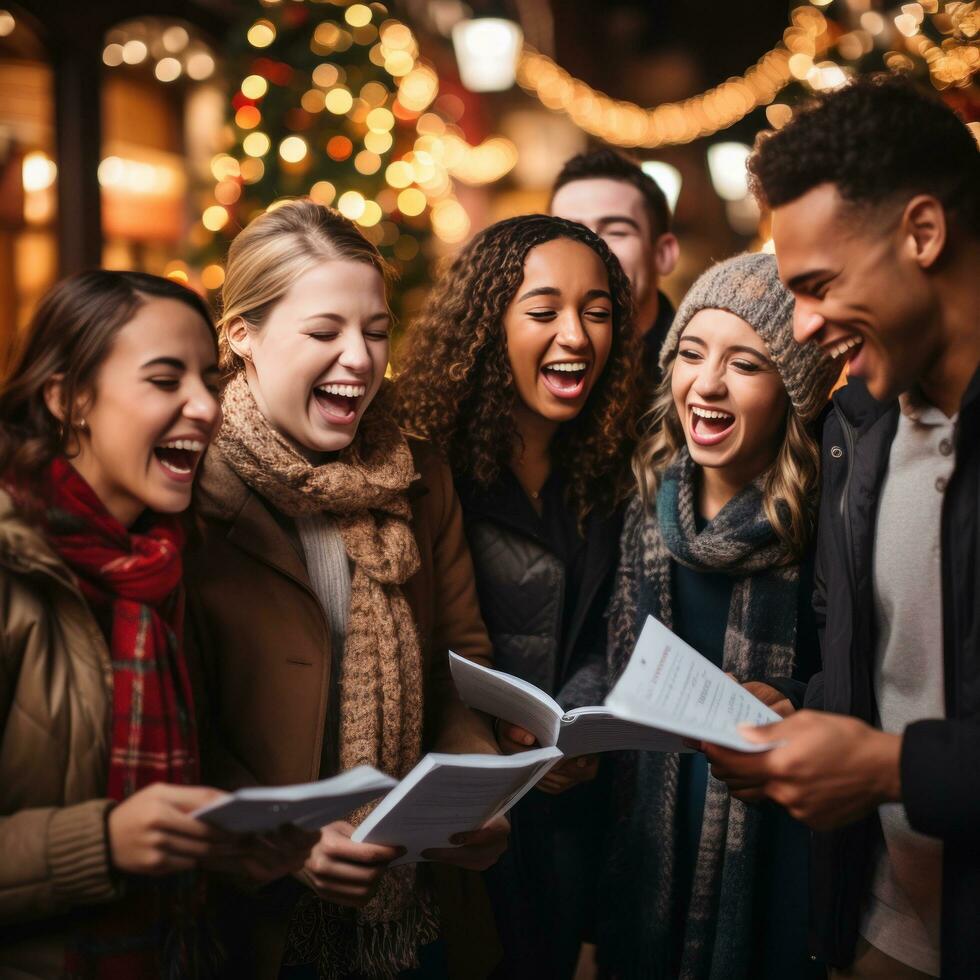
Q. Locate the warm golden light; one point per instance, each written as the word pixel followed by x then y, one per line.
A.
pixel 256 144
pixel 339 100
pixel 371 214
pixel 380 120
pixel 378 142
pixel 398 174
pixel 293 149
pixel 411 201
pixel 212 277
pixel 367 163
pixel 351 205
pixel 254 86
pixel 214 218
pixel 261 34
pixel 168 69
pixel 357 15
pixel 323 192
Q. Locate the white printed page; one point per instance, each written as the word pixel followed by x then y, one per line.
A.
pixel 507 697
pixel 449 794
pixel 261 809
pixel 669 685
pixel 588 730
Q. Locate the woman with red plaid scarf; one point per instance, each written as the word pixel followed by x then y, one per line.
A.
pixel 105 413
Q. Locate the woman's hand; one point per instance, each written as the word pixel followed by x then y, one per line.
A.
pixel 477 850
pixel 771 697
pixel 153 833
pixel 513 738
pixel 343 871
pixel 569 773
pixel 266 857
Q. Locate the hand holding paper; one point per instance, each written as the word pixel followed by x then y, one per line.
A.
pixel 668 685
pixel 446 795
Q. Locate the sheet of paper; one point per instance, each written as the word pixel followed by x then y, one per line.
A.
pixel 668 685
pixel 588 730
pixel 448 794
pixel 260 809
pixel 508 697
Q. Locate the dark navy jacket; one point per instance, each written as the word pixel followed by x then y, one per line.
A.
pixel 940 763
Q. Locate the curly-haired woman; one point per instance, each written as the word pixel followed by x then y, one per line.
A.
pixel 718 544
pixel 105 413
pixel 330 581
pixel 521 371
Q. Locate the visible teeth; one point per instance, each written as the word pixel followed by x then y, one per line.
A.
pixel 571 368
pixel 174 467
pixel 707 413
pixel 189 445
pixel 347 391
pixel 844 346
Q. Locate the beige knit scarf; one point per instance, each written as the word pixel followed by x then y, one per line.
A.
pixel 381 675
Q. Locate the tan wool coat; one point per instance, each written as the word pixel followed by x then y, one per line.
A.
pixel 55 697
pixel 261 644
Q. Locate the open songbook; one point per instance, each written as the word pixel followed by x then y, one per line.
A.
pixel 579 732
pixel 261 809
pixel 668 685
pixel 667 693
pixel 448 794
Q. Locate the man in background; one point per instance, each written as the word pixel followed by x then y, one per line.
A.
pixel 625 207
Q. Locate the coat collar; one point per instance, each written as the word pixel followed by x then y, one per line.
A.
pixel 222 497
pixel 25 551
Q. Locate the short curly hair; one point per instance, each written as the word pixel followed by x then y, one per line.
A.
pixel 611 165
pixel 454 385
pixel 877 139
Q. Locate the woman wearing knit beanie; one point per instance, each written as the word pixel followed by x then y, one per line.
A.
pixel 717 544
pixel 330 579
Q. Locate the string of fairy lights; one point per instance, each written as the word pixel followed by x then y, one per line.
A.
pixel 798 57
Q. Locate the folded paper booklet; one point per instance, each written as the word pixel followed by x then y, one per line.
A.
pixel 261 809
pixel 448 794
pixel 579 732
pixel 671 687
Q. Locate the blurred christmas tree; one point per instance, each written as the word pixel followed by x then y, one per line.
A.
pixel 333 101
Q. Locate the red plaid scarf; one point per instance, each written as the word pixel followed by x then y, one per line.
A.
pixel 132 582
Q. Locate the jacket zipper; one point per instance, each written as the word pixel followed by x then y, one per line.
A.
pixel 845 493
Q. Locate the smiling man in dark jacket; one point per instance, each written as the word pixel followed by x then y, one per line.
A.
pixel 875 194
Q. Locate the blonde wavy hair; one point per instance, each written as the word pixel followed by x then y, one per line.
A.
pixel 789 486
pixel 272 252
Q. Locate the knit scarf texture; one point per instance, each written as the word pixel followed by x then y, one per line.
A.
pixel 381 689
pixel 646 933
pixel 131 580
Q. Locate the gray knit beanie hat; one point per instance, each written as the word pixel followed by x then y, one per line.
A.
pixel 748 286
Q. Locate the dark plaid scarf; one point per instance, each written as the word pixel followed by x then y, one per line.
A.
pixel 646 932
pixel 131 582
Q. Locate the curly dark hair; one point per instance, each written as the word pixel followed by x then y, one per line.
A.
pixel 611 165
pixel 877 139
pixel 454 384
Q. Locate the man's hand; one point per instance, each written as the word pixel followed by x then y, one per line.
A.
pixel 477 850
pixel 827 770
pixel 343 871
pixel 569 773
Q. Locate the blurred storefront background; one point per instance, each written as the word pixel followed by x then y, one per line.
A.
pixel 145 134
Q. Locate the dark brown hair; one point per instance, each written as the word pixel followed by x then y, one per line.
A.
pixel 70 334
pixel 454 384
pixel 608 164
